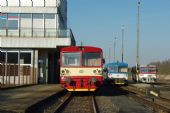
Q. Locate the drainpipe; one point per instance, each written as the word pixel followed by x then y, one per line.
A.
pixel 19 20
pixel 7 19
pixel 32 20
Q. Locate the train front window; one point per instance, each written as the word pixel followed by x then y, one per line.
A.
pixel 71 59
pixel 152 70
pixel 112 69
pixel 144 70
pixel 123 69
pixel 91 59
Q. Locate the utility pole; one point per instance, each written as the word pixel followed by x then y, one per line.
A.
pixel 81 44
pixel 138 37
pixel 123 28
pixel 109 54
pixel 115 49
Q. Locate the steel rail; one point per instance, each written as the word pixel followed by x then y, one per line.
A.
pixel 62 105
pixel 164 99
pixel 95 108
pixel 151 104
pixel 143 93
pixel 141 96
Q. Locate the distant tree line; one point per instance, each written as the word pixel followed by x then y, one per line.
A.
pixel 163 67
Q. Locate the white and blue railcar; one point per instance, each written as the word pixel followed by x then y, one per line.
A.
pixel 117 72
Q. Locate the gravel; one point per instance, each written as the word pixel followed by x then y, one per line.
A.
pixel 111 100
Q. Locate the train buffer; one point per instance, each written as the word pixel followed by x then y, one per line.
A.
pixel 20 99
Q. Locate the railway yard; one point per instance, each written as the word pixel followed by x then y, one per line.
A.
pixel 134 98
pixel 44 68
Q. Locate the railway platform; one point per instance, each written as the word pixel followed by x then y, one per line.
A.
pixel 18 100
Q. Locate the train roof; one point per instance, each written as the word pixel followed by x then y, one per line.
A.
pixel 81 48
pixel 117 63
pixel 145 66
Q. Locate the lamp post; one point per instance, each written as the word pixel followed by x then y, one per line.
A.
pixel 123 28
pixel 109 54
pixel 115 49
pixel 138 36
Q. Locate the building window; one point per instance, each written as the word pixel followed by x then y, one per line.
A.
pixel 12 21
pixel 25 15
pixel 3 24
pixel 12 57
pixel 25 58
pixel 38 16
pixel 3 20
pixel 12 24
pixel 2 57
pixel 49 16
pixel 13 16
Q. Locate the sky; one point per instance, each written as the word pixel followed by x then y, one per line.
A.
pixel 98 22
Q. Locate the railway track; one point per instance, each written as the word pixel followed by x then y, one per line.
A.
pixel 66 103
pixel 140 94
pixel 85 103
pixel 79 104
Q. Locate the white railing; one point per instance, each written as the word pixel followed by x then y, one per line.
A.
pixel 28 32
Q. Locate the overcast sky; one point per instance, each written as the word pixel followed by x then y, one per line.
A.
pixel 97 22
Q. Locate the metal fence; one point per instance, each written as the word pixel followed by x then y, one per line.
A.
pixel 15 75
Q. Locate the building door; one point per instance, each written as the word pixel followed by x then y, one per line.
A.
pixel 53 68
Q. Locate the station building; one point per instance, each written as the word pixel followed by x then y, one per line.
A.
pixel 31 35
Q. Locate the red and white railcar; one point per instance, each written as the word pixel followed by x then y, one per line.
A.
pixel 81 68
pixel 146 74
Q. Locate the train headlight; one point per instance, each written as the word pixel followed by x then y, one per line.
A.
pixel 97 71
pixel 94 71
pixel 62 71
pixel 67 71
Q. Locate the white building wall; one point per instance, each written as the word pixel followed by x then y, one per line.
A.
pixel 13 2
pixel 28 9
pixel 26 23
pixel 50 23
pixel 23 42
pixel 38 23
pixel 29 3
pixel 26 3
pixel 31 33
pixel 2 2
pixel 35 28
pixel 38 26
pixel 51 3
pixel 38 7
pixel 38 2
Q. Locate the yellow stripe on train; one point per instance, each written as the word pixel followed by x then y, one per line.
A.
pixel 80 71
pixel 81 89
